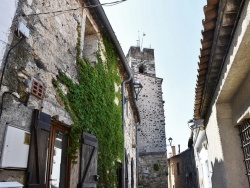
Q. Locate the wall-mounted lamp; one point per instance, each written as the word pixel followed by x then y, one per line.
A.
pixel 196 124
pixel 137 87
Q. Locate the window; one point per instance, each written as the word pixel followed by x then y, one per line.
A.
pixel 48 163
pixel 91 41
pixel 141 69
pixel 178 168
pixel 172 167
pixel 245 141
pixel 57 163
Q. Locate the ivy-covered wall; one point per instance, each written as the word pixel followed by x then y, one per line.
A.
pixel 91 105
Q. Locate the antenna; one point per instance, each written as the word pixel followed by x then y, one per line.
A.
pixel 142 40
pixel 138 41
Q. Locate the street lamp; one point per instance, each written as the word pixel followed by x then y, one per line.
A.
pixel 196 124
pixel 137 89
pixel 170 141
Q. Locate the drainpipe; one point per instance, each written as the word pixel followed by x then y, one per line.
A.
pixel 137 154
pixel 123 129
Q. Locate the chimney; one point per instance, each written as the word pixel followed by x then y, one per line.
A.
pixel 179 148
pixel 173 150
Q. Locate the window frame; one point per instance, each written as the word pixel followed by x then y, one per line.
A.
pixel 55 125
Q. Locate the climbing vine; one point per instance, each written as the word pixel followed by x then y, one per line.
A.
pixel 156 167
pixel 91 105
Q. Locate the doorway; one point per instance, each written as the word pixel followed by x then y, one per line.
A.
pixel 57 158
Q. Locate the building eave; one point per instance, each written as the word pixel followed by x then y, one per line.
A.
pixel 221 18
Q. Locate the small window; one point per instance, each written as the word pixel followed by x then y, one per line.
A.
pixel 91 42
pixel 178 169
pixel 141 69
pixel 172 167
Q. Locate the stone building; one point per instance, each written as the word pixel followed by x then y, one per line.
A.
pixel 151 146
pixel 182 169
pixel 38 39
pixel 222 96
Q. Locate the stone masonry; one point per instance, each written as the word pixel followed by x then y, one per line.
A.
pixel 50 47
pixel 151 146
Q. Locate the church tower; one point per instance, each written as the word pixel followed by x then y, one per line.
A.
pixel 151 147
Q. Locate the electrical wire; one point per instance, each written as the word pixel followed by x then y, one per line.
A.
pixel 6 60
pixel 73 9
pixel 3 95
pixel 4 67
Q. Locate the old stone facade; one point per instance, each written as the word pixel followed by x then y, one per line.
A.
pixel 130 145
pixel 222 96
pixel 151 131
pixel 51 46
pixel 182 170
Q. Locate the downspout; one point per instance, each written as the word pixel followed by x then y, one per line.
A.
pixel 137 154
pixel 123 129
pixel 110 32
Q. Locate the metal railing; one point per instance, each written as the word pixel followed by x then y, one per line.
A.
pixel 245 140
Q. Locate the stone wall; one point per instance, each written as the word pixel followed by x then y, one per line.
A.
pixel 130 142
pixel 153 170
pixel 152 127
pixel 142 61
pixel 50 47
pixel 182 170
pixel 151 130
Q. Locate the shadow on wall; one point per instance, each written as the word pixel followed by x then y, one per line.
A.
pixel 218 176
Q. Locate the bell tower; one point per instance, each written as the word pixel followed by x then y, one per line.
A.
pixel 142 62
pixel 151 139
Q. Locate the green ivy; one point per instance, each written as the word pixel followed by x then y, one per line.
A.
pixel 156 167
pixel 91 105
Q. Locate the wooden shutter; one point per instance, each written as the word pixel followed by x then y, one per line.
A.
pixel 126 170
pixel 88 161
pixel 36 170
pixel 119 175
pixel 132 173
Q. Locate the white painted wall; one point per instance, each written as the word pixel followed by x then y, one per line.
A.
pixel 229 106
pixel 7 12
pixel 202 159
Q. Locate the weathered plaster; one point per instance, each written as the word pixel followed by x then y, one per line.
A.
pixel 7 13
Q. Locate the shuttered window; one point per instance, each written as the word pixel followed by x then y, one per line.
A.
pixel 48 162
pixel 88 162
pixel 38 153
pixel 132 173
pixel 126 170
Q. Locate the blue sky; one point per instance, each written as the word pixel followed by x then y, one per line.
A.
pixel 173 30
